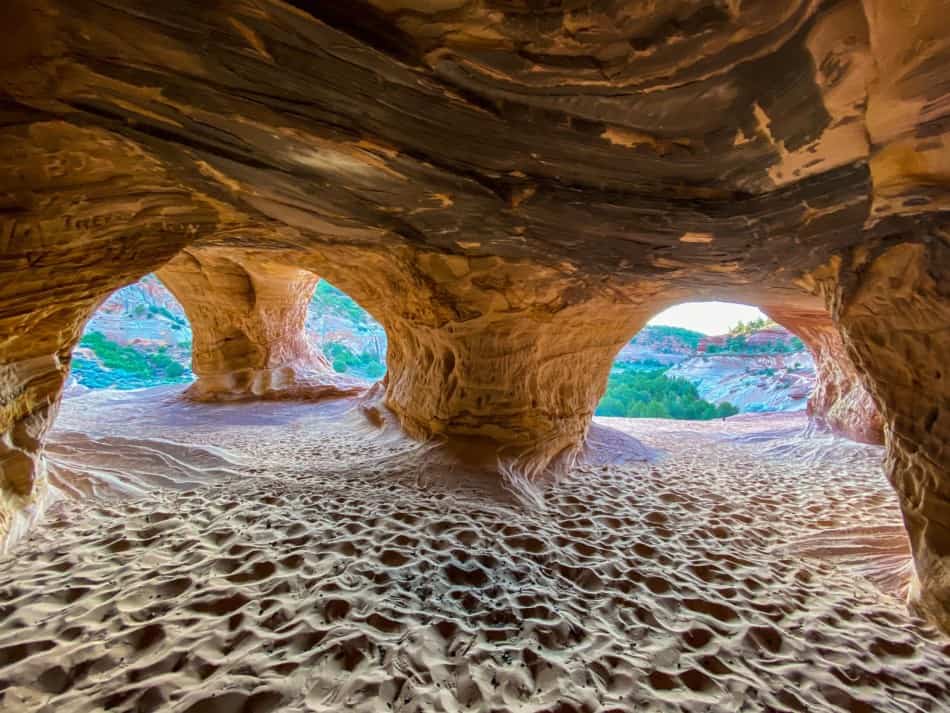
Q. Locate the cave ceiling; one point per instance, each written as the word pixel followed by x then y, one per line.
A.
pixel 720 146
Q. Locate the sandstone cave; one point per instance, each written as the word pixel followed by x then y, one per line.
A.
pixel 511 189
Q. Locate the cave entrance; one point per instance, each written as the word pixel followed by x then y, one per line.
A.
pixel 139 337
pixel 772 398
pixel 351 340
pixel 706 360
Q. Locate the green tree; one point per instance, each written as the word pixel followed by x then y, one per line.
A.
pixel 635 393
pixel 611 406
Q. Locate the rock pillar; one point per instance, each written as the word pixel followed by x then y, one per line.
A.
pixel 512 352
pixel 248 318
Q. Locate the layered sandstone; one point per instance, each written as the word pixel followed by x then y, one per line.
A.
pixel 510 188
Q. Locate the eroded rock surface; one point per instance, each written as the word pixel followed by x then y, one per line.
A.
pixel 839 402
pixel 510 188
pixel 894 310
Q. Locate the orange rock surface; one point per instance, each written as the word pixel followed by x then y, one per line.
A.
pixel 511 188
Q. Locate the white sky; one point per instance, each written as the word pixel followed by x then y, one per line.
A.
pixel 707 317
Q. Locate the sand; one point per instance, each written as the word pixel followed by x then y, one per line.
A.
pixel 294 558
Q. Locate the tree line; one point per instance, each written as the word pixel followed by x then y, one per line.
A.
pixel 634 393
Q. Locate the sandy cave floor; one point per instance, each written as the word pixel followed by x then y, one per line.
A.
pixel 281 556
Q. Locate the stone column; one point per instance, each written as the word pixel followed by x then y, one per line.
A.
pixel 514 354
pixel 248 318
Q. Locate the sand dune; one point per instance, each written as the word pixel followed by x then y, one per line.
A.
pixel 344 582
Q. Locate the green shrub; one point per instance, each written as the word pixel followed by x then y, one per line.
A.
pixel 739 344
pixel 345 360
pixel 125 366
pixel 164 312
pixel 635 393
pixel 745 328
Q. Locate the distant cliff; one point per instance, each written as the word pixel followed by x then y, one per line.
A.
pixel 756 368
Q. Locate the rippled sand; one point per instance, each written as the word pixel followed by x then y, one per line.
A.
pixel 326 566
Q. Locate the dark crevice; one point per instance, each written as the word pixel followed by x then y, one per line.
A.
pixel 364 22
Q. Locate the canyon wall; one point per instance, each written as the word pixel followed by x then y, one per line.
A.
pixel 510 188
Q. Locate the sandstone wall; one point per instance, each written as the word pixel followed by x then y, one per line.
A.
pixel 70 233
pixel 840 403
pixel 893 306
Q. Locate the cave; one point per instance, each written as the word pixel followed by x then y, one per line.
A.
pixel 512 189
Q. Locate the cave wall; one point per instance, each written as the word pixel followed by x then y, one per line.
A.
pixel 513 353
pixel 840 402
pixel 70 234
pixel 891 299
pixel 509 187
pixel 893 307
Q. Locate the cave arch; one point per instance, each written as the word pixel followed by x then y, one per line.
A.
pixel 138 337
pixel 705 360
pixel 249 314
pixel 839 403
pixel 510 270
pixel 352 341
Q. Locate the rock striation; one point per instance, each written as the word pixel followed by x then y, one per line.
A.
pixel 512 188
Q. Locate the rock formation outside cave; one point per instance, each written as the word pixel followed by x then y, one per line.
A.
pixel 511 189
pixel 692 372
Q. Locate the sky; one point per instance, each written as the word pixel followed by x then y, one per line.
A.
pixel 707 317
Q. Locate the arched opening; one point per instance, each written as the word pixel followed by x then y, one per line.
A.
pixel 141 337
pixel 776 388
pixel 138 338
pixel 705 360
pixel 224 329
pixel 351 340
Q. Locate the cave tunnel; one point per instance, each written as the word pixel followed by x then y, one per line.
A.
pixel 511 191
